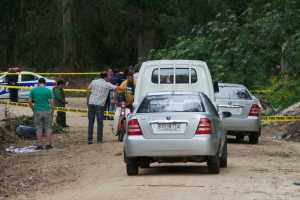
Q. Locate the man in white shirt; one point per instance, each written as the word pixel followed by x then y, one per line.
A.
pixel 98 92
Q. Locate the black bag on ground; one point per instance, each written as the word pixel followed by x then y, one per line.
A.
pixel 26 132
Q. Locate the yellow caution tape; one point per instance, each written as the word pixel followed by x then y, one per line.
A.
pixel 262 91
pixel 29 88
pixel 76 110
pixel 280 118
pixel 267 119
pixel 76 90
pixel 15 87
pixel 72 73
pixel 55 73
pixel 14 103
pixel 85 91
pixel 61 109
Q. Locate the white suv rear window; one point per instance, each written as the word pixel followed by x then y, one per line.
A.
pixel 166 75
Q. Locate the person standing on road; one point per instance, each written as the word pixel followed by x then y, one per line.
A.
pixel 12 80
pixel 42 105
pixel 98 92
pixel 127 88
pixel 125 94
pixel 60 101
pixel 110 107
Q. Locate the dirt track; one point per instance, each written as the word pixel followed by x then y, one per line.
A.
pixel 74 170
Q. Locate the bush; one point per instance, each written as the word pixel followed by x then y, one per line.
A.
pixel 284 92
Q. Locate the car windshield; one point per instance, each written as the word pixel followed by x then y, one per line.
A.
pixel 171 103
pixel 233 93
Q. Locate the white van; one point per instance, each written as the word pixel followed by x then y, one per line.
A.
pixel 174 75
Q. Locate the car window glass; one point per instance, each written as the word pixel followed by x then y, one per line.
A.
pixel 211 106
pixel 11 78
pixel 182 75
pixel 233 93
pixel 167 75
pixel 193 76
pixel 28 77
pixel 171 103
pixel 3 79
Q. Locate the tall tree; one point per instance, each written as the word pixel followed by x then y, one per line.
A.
pixel 69 40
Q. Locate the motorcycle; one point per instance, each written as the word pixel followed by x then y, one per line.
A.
pixel 121 112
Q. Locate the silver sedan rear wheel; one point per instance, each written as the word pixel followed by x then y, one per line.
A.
pixel 253 139
pixel 213 164
pixel 132 167
pixel 223 160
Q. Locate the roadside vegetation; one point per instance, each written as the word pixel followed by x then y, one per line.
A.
pixel 258 46
pixel 256 43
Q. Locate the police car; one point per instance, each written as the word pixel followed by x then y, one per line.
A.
pixel 25 79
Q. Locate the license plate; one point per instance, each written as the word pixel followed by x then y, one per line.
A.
pixel 169 127
pixel 234 111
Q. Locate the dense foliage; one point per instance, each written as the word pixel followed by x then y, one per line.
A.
pixel 253 42
pixel 76 33
pixel 248 45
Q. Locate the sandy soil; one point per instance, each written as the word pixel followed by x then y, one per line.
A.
pixel 75 170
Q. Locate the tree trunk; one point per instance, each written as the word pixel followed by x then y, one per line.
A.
pixel 11 30
pixel 146 42
pixel 69 43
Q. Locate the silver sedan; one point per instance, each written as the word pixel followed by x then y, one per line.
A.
pixel 245 109
pixel 175 127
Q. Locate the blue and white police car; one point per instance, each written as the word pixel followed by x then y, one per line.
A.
pixel 25 79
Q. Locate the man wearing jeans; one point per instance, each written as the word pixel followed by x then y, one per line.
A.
pixel 98 92
pixel 42 106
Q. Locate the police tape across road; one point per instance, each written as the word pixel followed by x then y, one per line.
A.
pixel 282 118
pixel 265 119
pixel 62 109
pixel 261 91
pixel 85 91
pixel 29 88
pixel 57 73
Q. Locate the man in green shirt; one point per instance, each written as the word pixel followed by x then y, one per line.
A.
pixel 60 101
pixel 42 106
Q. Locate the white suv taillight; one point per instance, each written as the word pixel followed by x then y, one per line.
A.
pixel 254 111
pixel 204 127
pixel 134 127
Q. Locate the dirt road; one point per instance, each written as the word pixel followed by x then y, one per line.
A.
pixel 75 170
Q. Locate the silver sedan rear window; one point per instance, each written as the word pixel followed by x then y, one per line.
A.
pixel 233 93
pixel 171 103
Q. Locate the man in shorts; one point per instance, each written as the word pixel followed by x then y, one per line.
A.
pixel 42 105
